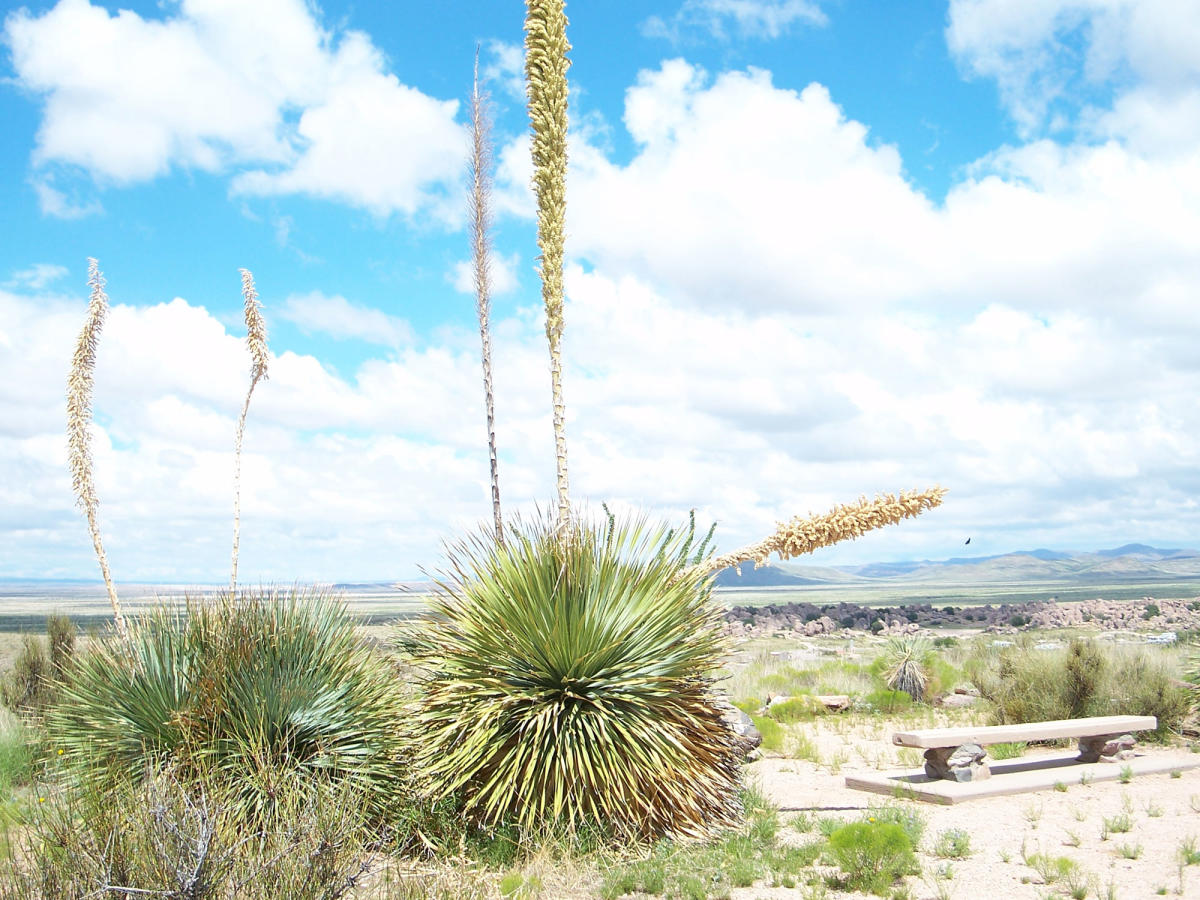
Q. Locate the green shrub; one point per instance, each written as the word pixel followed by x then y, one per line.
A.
pixel 797 709
pixel 265 694
pixel 909 818
pixel 871 855
pixel 1007 750
pixel 887 701
pixel 771 731
pixel 16 753
pixel 570 680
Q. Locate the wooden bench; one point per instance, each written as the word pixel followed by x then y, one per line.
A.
pixel 958 754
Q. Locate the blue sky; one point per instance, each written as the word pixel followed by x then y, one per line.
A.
pixel 816 249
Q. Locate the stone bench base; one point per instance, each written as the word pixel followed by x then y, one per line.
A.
pixel 968 762
pixel 1106 748
pixel 964 763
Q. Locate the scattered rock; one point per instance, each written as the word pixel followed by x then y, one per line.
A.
pixel 742 726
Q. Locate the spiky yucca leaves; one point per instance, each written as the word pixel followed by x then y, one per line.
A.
pixel 481 245
pixel 546 67
pixel 80 384
pixel 569 683
pixel 904 665
pixel 261 694
pixel 842 523
pixel 256 343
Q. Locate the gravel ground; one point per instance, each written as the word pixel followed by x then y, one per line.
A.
pixel 1164 813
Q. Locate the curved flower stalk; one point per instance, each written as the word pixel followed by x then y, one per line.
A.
pixel 843 522
pixel 481 221
pixel 546 67
pixel 80 384
pixel 256 343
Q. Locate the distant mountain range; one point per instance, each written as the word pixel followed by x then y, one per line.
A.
pixel 1139 562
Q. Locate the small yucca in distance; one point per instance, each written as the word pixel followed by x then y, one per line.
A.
pixel 904 665
pixel 570 684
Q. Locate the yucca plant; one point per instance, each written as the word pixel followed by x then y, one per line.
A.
pixel 569 684
pixel 260 693
pixel 546 65
pixel 904 665
pixel 481 275
pixel 256 343
pixel 80 384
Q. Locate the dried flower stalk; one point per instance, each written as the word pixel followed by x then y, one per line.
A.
pixel 80 385
pixel 256 343
pixel 844 522
pixel 546 67
pixel 481 221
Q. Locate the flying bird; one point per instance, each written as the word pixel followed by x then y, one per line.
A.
pixel 967 541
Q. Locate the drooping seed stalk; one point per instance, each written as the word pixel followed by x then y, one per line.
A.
pixel 80 385
pixel 481 222
pixel 843 522
pixel 256 343
pixel 546 67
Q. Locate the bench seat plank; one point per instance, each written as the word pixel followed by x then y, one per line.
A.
pixel 1028 731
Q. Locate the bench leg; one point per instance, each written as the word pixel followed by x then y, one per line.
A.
pixel 965 763
pixel 1106 748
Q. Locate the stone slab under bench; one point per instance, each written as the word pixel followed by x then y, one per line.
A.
pixel 1019 776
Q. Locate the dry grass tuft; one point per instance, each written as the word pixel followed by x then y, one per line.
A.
pixel 80 386
pixel 844 522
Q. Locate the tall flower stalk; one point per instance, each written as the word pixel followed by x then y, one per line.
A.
pixel 256 343
pixel 546 67
pixel 481 222
pixel 80 385
pixel 844 522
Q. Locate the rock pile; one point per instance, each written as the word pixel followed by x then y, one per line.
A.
pixel 809 620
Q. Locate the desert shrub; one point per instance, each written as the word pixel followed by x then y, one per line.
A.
pixel 266 694
pixel 944 676
pixel 569 679
pixel 163 835
pixel 871 855
pixel 1085 679
pixel 16 753
pixel 28 686
pixel 953 843
pixel 905 665
pixel 60 634
pixel 31 685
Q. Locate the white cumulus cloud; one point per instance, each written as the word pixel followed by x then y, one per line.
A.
pixel 222 86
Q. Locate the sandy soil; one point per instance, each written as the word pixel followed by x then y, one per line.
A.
pixel 1165 812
